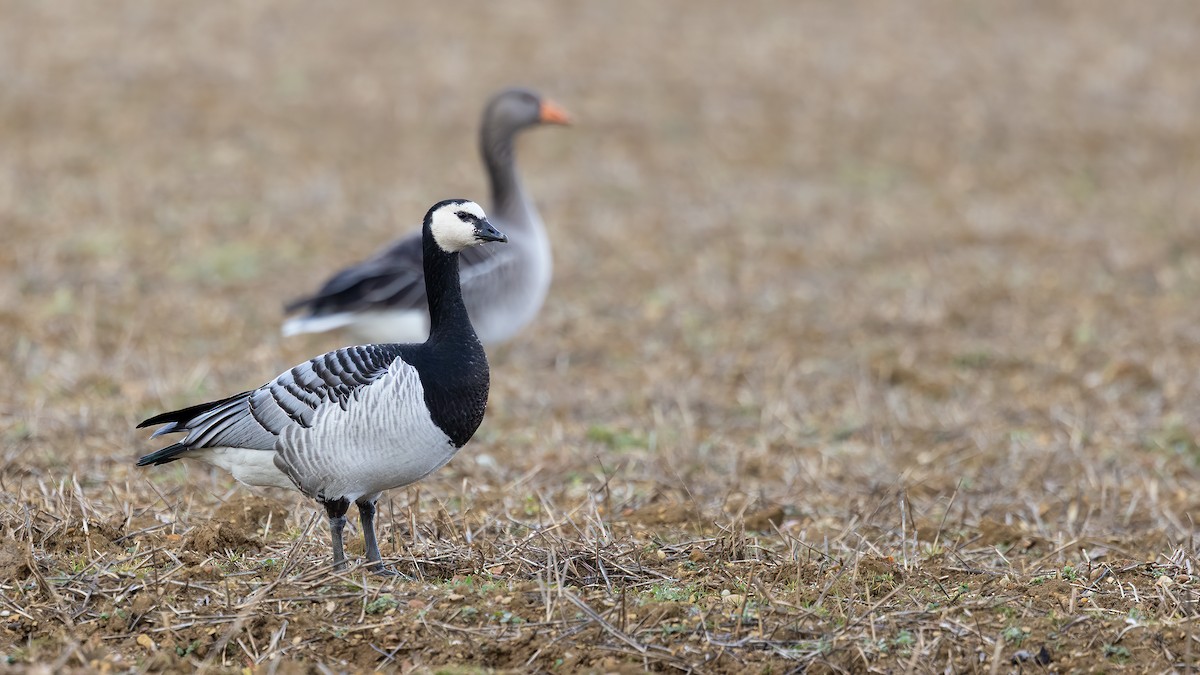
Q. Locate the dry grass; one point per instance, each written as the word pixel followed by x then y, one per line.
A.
pixel 873 343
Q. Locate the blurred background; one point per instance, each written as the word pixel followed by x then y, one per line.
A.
pixel 805 252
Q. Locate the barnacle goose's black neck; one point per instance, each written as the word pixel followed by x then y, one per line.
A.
pixel 451 363
pixel 447 314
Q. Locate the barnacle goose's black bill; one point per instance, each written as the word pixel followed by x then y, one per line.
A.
pixel 485 232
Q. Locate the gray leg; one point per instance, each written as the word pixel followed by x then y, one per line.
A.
pixel 366 514
pixel 337 522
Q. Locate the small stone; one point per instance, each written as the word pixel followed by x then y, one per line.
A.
pixel 145 641
pixel 1164 581
pixel 697 556
pixel 734 599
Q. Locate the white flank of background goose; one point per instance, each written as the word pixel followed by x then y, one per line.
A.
pixel 352 423
pixel 383 300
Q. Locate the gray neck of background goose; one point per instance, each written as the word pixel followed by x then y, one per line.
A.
pixel 508 197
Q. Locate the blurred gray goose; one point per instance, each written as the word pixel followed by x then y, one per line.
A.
pixel 349 424
pixel 382 300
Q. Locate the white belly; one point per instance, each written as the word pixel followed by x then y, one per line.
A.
pixel 370 471
pixel 252 467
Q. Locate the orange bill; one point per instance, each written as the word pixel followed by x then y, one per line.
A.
pixel 552 113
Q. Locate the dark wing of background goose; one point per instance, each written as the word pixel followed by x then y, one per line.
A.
pixel 393 281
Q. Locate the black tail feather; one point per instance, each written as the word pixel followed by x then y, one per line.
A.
pixel 167 454
pixel 183 416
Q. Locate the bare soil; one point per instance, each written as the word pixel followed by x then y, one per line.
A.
pixel 872 347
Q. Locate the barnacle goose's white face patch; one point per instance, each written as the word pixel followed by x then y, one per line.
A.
pixel 453 225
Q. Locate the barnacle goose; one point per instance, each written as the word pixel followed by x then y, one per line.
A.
pixel 349 424
pixel 382 299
